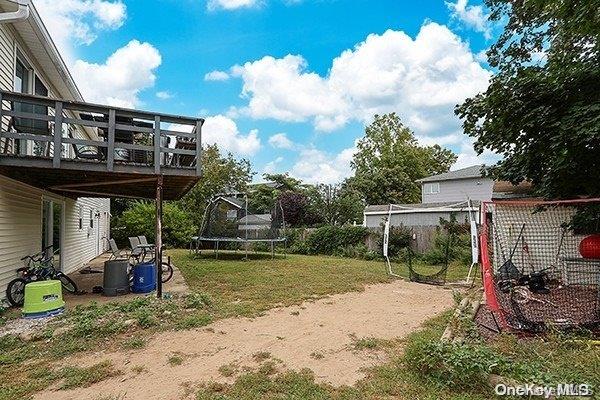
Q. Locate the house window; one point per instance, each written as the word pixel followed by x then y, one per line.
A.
pixel 80 218
pixel 231 215
pixel 91 218
pixel 431 188
pixel 22 77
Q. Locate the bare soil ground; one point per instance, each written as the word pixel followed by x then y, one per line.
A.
pixel 318 335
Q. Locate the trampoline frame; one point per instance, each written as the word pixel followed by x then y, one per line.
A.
pixel 197 240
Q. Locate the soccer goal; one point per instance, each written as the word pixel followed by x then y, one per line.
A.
pixel 541 263
pixel 424 241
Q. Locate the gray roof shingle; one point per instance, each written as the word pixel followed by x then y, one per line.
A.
pixel 475 171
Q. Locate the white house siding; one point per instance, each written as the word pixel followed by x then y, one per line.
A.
pixel 20 227
pixel 21 205
pixel 6 58
pixel 80 246
pixel 459 190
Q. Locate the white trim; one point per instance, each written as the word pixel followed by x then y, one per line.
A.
pixel 421 210
pixel 63 223
pixel 228 201
pixel 433 186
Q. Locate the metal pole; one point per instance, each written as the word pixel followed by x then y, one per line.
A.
pixel 158 244
pixel 246 243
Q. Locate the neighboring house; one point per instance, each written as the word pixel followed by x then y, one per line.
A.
pixel 254 225
pixel 62 197
pixel 446 194
pixel 234 208
pixel 455 186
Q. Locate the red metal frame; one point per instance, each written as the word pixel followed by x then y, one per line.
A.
pixel 487 271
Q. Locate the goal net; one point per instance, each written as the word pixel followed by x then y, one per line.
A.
pixel 425 241
pixel 535 275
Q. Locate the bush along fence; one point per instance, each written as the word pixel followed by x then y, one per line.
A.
pixel 428 242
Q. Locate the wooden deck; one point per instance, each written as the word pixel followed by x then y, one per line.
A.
pixel 102 150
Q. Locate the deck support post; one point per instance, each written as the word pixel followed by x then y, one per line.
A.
pixel 158 241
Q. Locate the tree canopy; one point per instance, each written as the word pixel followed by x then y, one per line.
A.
pixel 219 174
pixel 541 111
pixel 389 160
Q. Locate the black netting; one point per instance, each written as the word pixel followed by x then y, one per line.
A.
pixel 231 218
pixel 451 242
pixel 541 278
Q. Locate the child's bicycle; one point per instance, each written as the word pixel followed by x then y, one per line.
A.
pixel 39 266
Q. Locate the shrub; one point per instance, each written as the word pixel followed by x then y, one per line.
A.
pixel 459 248
pixel 330 239
pixel 453 365
pixel 400 237
pixel 139 219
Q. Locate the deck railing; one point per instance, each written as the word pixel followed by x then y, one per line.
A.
pixel 33 127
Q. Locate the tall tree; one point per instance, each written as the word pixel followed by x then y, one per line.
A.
pixel 220 174
pixel 337 204
pixel 264 196
pixel 541 111
pixel 389 160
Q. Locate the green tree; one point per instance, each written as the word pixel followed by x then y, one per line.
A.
pixel 389 161
pixel 541 111
pixel 139 219
pixel 219 174
pixel 338 204
pixel 264 196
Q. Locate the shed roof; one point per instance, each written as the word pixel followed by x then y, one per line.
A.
pixel 256 219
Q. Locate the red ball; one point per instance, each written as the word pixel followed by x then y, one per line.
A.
pixel 590 247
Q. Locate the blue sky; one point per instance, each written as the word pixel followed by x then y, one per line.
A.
pixel 288 84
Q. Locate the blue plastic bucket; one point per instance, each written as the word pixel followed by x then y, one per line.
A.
pixel 144 278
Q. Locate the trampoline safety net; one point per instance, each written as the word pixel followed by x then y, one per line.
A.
pixel 541 263
pixel 232 219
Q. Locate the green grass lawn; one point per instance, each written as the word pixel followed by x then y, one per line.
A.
pixel 245 287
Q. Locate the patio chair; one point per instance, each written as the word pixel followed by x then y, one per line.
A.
pixel 136 251
pixel 144 241
pixel 116 253
pixel 86 152
pixel 184 160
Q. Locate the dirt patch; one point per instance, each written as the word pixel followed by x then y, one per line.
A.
pixel 292 336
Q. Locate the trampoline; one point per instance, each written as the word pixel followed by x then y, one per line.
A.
pixel 229 221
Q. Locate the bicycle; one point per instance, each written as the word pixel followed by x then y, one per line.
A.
pixel 166 267
pixel 38 267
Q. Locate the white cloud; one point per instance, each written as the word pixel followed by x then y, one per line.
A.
pixel 481 56
pixel 164 95
pixel 213 5
pixel 421 79
pixel 224 132
pixel 216 76
pixel 119 80
pixel 472 16
pixel 317 166
pixel 467 156
pixel 281 141
pixel 72 22
pixel 271 166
